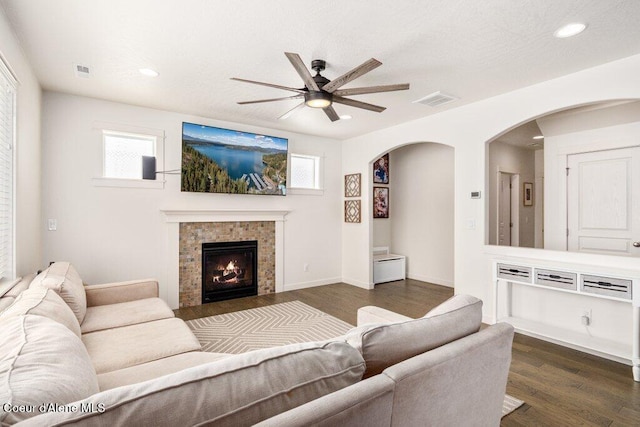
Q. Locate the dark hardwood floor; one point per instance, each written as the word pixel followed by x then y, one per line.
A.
pixel 560 386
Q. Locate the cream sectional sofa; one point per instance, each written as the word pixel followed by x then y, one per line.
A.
pixel 114 354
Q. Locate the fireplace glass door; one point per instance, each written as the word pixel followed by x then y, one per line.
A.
pixel 229 270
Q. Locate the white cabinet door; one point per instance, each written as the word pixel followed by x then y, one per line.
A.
pixel 603 202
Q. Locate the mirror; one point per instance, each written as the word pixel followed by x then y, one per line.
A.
pixel 568 181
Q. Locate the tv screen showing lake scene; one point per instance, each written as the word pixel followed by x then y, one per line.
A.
pixel 216 160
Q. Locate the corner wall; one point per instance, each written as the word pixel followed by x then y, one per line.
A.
pixel 422 210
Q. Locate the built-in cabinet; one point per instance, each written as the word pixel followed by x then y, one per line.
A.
pixel 577 281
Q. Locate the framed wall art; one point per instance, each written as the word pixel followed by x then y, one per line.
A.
pixel 352 211
pixel 527 193
pixel 352 185
pixel 381 170
pixel 380 202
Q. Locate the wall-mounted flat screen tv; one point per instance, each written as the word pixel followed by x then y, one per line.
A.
pixel 216 160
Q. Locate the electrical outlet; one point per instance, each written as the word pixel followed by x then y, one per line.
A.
pixel 52 224
pixel 586 318
pixel 305 266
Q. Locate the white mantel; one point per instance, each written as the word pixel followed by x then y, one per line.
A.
pixel 174 217
pixel 222 215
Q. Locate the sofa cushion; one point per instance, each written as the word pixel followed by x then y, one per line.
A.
pixel 456 302
pixel 124 314
pixel 7 286
pixel 14 288
pixel 43 302
pixel 157 368
pixel 41 362
pixel 118 348
pixel 64 279
pixel 236 391
pixel 387 344
pixel 6 302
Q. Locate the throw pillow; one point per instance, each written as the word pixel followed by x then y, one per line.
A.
pixel 41 363
pixel 44 302
pixel 64 279
pixel 387 344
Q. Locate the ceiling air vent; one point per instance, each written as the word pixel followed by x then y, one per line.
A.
pixel 436 99
pixel 81 71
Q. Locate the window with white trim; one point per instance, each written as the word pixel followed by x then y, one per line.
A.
pixel 305 172
pixel 122 155
pixel 7 138
pixel 123 148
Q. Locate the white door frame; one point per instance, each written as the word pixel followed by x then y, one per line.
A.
pixel 514 229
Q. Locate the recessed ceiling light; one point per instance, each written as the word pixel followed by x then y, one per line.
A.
pixel 538 137
pixel 345 117
pixel 149 72
pixel 569 30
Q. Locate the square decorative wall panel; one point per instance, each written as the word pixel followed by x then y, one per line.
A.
pixel 352 211
pixel 352 185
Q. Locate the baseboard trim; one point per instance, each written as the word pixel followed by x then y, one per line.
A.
pixel 357 283
pixel 434 280
pixel 311 284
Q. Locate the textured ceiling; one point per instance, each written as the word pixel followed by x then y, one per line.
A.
pixel 472 50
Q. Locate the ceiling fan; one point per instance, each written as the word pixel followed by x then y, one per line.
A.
pixel 320 92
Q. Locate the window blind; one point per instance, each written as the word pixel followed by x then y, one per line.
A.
pixel 7 131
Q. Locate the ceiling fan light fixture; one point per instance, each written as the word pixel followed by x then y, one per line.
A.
pixel 318 99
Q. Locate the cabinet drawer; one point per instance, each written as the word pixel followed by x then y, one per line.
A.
pixel 609 286
pixel 556 279
pixel 514 272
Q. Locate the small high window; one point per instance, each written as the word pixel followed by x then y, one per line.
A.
pixel 123 148
pixel 123 154
pixel 305 172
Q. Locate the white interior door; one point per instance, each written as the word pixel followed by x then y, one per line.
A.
pixel 603 202
pixel 504 209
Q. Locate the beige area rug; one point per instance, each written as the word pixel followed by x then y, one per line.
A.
pixel 276 325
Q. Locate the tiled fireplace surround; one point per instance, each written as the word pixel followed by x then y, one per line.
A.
pixel 188 229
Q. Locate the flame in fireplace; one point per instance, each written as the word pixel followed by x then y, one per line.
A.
pixel 230 274
pixel 231 267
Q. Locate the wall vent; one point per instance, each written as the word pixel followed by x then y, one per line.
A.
pixel 436 99
pixel 81 71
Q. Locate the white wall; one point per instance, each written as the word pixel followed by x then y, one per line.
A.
pixel 27 151
pixel 114 234
pixel 515 160
pixel 579 132
pixel 422 210
pixel 538 191
pixel 468 128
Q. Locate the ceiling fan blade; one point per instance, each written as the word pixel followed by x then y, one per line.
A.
pixel 358 104
pixel 351 75
pixel 297 63
pixel 292 89
pixel 371 89
pixel 331 113
pixel 290 112
pixel 272 99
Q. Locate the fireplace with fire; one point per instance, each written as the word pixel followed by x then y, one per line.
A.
pixel 229 270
